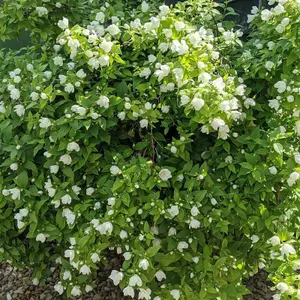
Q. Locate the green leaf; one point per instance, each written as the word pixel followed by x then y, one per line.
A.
pixel 152 251
pixel 121 88
pixel 278 148
pixel 22 179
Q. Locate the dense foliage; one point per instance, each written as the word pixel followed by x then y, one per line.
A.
pixel 158 134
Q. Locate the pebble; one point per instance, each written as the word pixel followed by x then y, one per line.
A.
pixel 17 284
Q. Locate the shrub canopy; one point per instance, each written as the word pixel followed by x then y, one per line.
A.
pixel 157 133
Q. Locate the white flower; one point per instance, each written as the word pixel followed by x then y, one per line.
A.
pixel 204 77
pixel 197 103
pixel 116 277
pixel 73 146
pixel 85 270
pixel 180 47
pixel 95 258
pixel 280 86
pixel 66 159
pixel 81 74
pixel 66 199
pixel 41 238
pixel 14 167
pixel 123 234
pixel 294 176
pixel 287 249
pixel 19 110
pixel 173 149
pixel 114 170
pixel 69 88
pixel 254 238
pixel 127 255
pixel 219 84
pixel 128 291
pixel 135 280
pixel 179 25
pixel 276 297
pixel 70 254
pixel 44 123
pixel 165 174
pixel 194 224
pixel 266 15
pixel 249 102
pixel 89 191
pixel 285 21
pixel 41 11
pixel 145 6
pixel 75 291
pixel 24 212
pixel 59 288
pixel 163 47
pixel 48 74
pixel 297 158
pixel 76 189
pixel 173 211
pixel 282 287
pixel 273 170
pixel 297 127
pixel 58 61
pixel 274 240
pixel 69 215
pixel 278 9
pixel 103 60
pixel 144 264
pixel 269 65
pixel 151 58
pixel 175 294
pixel 78 109
pixel 88 288
pixel 15 193
pixel 144 123
pixel 2 107
pixel 280 28
pixel 217 123
pixel 165 109
pixel 67 275
pixel 145 73
pixel 194 211
pixel 182 245
pixel 106 46
pixel 145 294
pixel 172 231
pixel 113 29
pixel 162 72
pixel 213 201
pixel 160 275
pixel 111 201
pixel 100 17
pixel 106 228
pixel 184 100
pixel 62 79
pixel 103 102
pixel 63 24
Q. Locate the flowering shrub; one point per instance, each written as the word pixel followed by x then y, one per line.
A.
pixel 271 64
pixel 133 132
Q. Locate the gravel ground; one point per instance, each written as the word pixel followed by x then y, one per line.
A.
pixel 17 284
pixel 259 286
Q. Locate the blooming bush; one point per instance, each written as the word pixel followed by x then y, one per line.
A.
pixel 133 131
